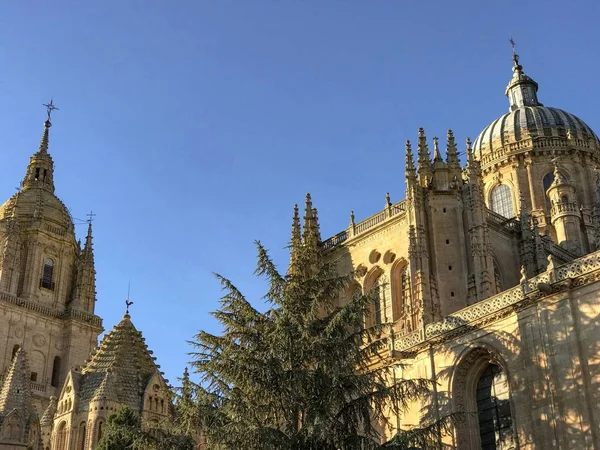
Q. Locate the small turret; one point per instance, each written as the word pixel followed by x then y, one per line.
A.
pixel 565 213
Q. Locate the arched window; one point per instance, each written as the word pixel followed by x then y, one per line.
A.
pixel 493 409
pixel 400 289
pixel 81 437
pixel 100 423
pixel 61 437
pixel 47 273
pixel 378 288
pixel 501 201
pixel 55 371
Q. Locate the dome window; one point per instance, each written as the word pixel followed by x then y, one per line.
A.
pixel 501 201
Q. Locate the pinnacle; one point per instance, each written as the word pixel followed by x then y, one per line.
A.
pixel 15 392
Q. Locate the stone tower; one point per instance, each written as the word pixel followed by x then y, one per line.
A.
pixel 47 282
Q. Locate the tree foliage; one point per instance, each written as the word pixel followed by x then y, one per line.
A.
pixel 123 431
pixel 301 375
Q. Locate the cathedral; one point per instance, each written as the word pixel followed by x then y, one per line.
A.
pixel 490 275
pixel 489 272
pixel 57 386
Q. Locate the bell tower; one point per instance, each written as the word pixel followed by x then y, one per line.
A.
pixel 47 280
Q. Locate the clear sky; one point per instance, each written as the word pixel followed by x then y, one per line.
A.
pixel 192 127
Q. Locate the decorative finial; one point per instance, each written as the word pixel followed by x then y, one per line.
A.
pixel 128 303
pixel 91 216
pixel 515 57
pixel 49 109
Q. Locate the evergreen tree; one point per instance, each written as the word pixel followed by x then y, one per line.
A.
pixel 123 431
pixel 300 376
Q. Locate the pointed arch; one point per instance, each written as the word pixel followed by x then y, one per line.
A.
pixel 501 200
pixel 400 289
pixel 55 371
pixel 81 435
pixel 480 388
pixel 377 286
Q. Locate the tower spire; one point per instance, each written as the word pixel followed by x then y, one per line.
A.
pixel 40 171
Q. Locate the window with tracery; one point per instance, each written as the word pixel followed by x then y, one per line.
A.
pixel 493 410
pixel 501 201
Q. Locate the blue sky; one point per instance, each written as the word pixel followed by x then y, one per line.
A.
pixel 192 127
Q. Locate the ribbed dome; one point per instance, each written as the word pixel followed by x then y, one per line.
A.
pixel 528 119
pixel 38 204
pixel 530 122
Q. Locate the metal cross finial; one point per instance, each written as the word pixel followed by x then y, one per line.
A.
pixel 91 216
pixel 513 44
pixel 49 108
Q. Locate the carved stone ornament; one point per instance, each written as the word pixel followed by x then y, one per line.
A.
pixel 39 340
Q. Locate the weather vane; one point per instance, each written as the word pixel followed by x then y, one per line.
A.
pixel 49 108
pixel 128 303
pixel 90 217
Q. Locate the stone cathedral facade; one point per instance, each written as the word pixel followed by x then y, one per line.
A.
pixel 490 274
pixel 57 386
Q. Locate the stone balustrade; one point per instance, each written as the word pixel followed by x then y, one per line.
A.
pixel 367 224
pixel 51 312
pixel 564 208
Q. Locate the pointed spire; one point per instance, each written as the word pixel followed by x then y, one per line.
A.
pixel 295 243
pixel 437 156
pixel 451 151
pixel 48 416
pixel 15 392
pixel 40 171
pixel 424 160
pixel 84 293
pixel 311 235
pixel 186 386
pixel 411 171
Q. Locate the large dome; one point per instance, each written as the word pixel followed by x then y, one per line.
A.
pixel 530 124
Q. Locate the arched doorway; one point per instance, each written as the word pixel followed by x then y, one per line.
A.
pixel 481 390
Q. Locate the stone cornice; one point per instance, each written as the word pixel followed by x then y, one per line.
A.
pixel 78 316
pixel 577 273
